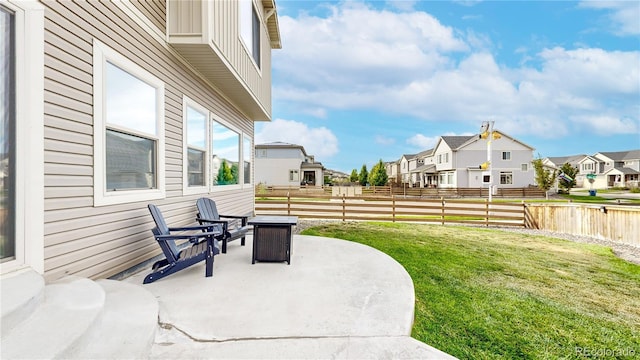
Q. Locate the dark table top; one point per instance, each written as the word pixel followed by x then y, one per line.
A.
pixel 273 220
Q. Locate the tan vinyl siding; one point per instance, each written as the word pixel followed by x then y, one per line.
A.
pixel 154 10
pixel 98 242
pixel 226 36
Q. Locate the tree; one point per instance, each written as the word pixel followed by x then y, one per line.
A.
pixel 364 175
pixel 378 175
pixel 354 176
pixel 544 177
pixel 567 177
pixel 225 174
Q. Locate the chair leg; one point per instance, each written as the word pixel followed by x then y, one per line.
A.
pixel 224 245
pixel 209 258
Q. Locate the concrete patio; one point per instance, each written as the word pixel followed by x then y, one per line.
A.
pixel 337 299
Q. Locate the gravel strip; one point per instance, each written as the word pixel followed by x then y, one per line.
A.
pixel 627 252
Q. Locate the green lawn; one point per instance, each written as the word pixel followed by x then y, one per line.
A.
pixel 489 294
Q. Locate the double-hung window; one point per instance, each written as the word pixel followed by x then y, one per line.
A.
pixel 506 155
pixel 250 29
pixel 128 130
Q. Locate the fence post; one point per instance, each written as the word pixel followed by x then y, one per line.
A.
pixel 288 203
pixel 442 210
pixel 344 207
pixel 486 219
pixel 393 208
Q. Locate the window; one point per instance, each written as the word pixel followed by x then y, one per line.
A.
pixel 246 153
pixel 440 159
pixel 128 130
pixel 250 29
pixel 506 178
pixel 8 137
pixel 587 167
pixel 196 119
pixel 21 135
pixel 524 167
pixel 446 157
pixel 293 175
pixel 225 155
pixel 506 155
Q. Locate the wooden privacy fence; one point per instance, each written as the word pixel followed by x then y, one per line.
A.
pixel 619 224
pixel 303 190
pixel 441 211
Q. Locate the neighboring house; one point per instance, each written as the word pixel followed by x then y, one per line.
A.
pixel 393 171
pixel 555 163
pixel 403 167
pixel 284 164
pixel 455 163
pixel 619 169
pixel 607 169
pixel 113 105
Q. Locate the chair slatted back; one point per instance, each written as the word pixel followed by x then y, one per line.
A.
pixel 168 247
pixel 207 209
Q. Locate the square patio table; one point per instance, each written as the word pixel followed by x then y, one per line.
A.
pixel 272 237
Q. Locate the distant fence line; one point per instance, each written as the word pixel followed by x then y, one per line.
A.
pixel 620 224
pixel 525 192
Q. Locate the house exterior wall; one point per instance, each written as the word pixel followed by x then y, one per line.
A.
pixel 100 241
pixel 200 26
pixel 466 161
pixel 272 166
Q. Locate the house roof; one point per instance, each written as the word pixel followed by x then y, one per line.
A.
pixel 571 159
pixel 428 168
pixel 623 170
pixel 456 142
pixel 271 18
pixel 622 155
pixel 281 145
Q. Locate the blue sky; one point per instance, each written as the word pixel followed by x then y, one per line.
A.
pixel 359 81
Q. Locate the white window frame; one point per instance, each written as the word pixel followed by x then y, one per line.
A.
pixel 246 137
pixel 29 67
pixel 186 189
pixel 101 197
pixel 506 156
pixel 524 167
pixel 242 136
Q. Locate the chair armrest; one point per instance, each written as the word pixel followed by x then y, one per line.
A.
pixel 235 216
pixel 186 236
pixel 224 223
pixel 244 218
pixel 194 227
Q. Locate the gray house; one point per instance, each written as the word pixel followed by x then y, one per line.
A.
pixel 110 105
pixel 455 162
pixel 284 164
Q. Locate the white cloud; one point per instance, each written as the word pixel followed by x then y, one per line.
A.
pixel 408 63
pixel 624 16
pixel 320 141
pixel 423 142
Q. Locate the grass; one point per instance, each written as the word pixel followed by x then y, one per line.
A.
pixel 490 294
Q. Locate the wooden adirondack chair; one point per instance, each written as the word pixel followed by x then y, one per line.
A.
pixel 203 246
pixel 208 215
